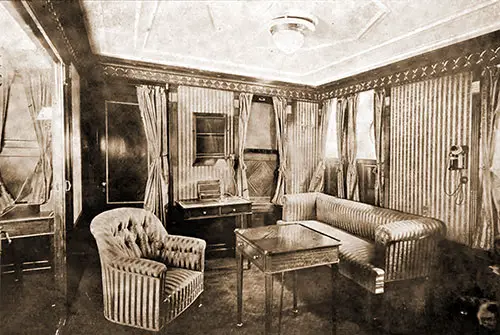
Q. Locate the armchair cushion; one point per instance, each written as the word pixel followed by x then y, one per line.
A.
pixel 182 287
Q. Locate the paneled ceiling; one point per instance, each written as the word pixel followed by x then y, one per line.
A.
pixel 352 36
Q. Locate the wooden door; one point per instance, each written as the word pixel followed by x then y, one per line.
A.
pixel 122 147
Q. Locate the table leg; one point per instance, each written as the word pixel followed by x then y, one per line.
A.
pixel 334 301
pixel 239 287
pixel 269 302
pixel 294 288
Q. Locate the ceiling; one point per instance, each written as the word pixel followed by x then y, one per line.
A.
pixel 352 36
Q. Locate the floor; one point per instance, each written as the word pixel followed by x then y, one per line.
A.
pixel 28 307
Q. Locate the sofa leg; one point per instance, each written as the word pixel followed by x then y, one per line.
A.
pixel 199 301
pixel 375 309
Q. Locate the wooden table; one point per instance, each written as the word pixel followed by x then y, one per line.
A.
pixel 279 249
pixel 194 209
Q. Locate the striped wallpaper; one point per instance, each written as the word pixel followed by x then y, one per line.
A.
pixel 202 100
pixel 427 118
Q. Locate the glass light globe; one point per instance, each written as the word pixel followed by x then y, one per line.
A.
pixel 288 41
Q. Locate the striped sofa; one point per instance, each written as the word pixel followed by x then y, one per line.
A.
pixel 379 245
pixel 148 276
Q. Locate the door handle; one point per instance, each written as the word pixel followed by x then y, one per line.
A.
pixel 68 186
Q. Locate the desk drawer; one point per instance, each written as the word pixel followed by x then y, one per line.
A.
pixel 28 228
pixel 251 253
pixel 241 208
pixel 201 212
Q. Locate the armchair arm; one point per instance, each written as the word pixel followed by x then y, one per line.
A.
pixel 408 230
pixel 139 266
pixel 184 252
pixel 300 206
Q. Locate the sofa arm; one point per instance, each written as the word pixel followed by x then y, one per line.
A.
pixel 184 252
pixel 141 266
pixel 300 206
pixel 408 230
pixel 409 249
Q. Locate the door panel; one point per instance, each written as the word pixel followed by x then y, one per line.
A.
pixel 126 154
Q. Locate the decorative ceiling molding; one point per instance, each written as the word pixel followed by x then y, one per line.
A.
pixel 469 61
pixel 62 21
pixel 114 70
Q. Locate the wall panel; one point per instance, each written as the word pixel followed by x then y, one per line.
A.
pixel 427 118
pixel 201 100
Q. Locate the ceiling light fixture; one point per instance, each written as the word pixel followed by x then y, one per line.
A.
pixel 288 31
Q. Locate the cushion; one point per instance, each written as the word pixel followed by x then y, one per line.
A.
pixel 357 257
pixel 182 287
pixel 355 217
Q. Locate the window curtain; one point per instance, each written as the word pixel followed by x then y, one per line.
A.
pixel 341 146
pixel 379 146
pixel 352 170
pixel 317 183
pixel 245 108
pixel 488 224
pixel 153 107
pixel 38 85
pixel 279 104
pixel 6 79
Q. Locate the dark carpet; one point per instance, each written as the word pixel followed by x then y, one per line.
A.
pixel 27 307
pixel 218 313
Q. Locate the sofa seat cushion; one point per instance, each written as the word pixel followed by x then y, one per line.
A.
pixel 182 287
pixel 357 256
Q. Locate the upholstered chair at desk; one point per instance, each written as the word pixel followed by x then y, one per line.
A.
pixel 148 276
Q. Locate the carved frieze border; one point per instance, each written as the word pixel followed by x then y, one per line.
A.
pixel 462 63
pixel 130 72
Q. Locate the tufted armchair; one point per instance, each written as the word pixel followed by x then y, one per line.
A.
pixel 148 276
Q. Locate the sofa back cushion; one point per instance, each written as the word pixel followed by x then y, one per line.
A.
pixel 355 217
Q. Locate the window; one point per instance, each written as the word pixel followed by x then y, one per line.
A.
pixel 365 128
pixel 331 150
pixel 210 137
pixel 261 132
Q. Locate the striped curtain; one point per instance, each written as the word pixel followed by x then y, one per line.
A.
pixel 352 169
pixel 489 223
pixel 6 79
pixel 317 183
pixel 38 86
pixel 280 104
pixel 245 108
pixel 153 106
pixel 379 146
pixel 341 145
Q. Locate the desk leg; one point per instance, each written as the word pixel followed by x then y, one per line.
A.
pixel 239 287
pixel 335 269
pixel 269 302
pixel 294 287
